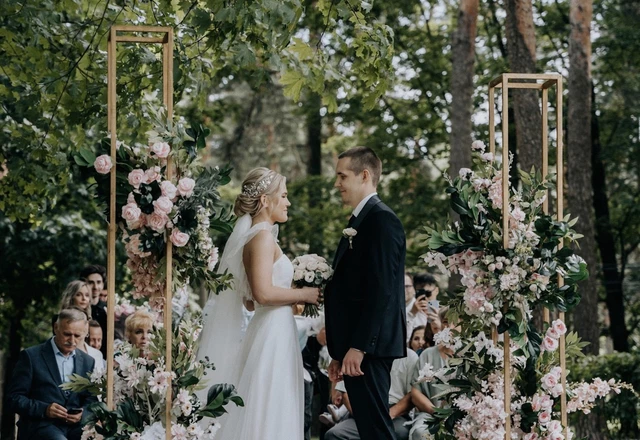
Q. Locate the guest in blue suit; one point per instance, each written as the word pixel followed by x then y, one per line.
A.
pixel 46 411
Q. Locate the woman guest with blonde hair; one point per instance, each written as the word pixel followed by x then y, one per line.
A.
pixel 77 294
pixel 137 330
pixel 265 361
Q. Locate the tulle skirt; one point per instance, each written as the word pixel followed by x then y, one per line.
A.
pixel 270 381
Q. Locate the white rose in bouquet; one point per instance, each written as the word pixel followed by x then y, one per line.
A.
pixel 311 271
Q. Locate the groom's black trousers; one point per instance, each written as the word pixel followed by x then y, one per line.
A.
pixel 369 397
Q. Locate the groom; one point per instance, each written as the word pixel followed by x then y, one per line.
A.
pixel 364 302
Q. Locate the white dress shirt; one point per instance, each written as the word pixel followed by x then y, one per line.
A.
pixel 362 203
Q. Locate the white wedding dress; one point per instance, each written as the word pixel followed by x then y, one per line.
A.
pixel 265 364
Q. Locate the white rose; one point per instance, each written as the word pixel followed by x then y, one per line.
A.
pixel 298 275
pixel 185 186
pixel 313 265
pixel 178 238
pixel 323 267
pixel 309 277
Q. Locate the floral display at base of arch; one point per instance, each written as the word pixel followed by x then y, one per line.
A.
pixel 501 288
pixel 152 207
pixel 140 391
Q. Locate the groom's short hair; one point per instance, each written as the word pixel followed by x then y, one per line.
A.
pixel 364 158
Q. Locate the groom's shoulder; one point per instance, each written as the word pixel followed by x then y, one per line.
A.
pixel 382 213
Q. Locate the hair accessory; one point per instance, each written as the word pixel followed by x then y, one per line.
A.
pixel 258 188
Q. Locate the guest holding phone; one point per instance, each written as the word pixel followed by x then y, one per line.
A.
pixel 46 411
pixel 424 290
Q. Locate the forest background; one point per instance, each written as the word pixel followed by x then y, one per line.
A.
pixel 289 85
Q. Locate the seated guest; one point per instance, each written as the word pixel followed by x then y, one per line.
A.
pixel 423 395
pixel 76 296
pixel 403 374
pixel 416 340
pixel 95 334
pixel 45 410
pixel 96 277
pixel 138 328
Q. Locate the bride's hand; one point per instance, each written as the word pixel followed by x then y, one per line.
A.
pixel 310 295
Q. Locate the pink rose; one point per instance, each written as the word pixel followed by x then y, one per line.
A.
pixel 161 149
pixel 168 189
pixel 103 164
pixel 136 177
pixel 157 221
pixel 163 205
pixel 549 343
pixel 531 436
pixel 559 326
pixel 131 212
pixel 552 333
pixel 185 186
pixel 137 224
pixel 549 381
pixel 179 238
pixel 544 417
pixel 152 174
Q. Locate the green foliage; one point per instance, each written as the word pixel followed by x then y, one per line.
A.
pixel 620 410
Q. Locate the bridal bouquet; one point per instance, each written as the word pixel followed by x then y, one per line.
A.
pixel 311 271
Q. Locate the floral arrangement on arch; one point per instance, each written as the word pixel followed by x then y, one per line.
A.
pixel 153 207
pixel 501 287
pixel 140 390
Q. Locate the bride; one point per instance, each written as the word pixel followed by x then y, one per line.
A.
pixel 265 363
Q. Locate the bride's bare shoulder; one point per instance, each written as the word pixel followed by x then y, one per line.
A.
pixel 262 243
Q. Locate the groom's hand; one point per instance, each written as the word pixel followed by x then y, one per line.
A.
pixel 334 371
pixel 351 363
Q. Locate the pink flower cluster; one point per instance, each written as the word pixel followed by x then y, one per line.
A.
pixel 485 415
pixel 584 395
pixel 554 332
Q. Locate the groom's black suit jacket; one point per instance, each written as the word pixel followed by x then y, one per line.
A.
pixel 364 301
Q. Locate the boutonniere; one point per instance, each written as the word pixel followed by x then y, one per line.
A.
pixel 349 233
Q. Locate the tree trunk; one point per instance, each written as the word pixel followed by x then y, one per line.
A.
pixel 612 279
pixel 521 46
pixel 462 57
pixel 463 54
pixel 581 197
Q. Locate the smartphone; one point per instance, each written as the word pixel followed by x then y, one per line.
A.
pixel 73 411
pixel 434 304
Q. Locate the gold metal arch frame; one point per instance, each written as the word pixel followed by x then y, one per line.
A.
pixel 542 82
pixel 118 34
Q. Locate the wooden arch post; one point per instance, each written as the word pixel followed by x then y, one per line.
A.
pixel 116 35
pixel 542 82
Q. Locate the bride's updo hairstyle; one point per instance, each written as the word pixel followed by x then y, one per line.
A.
pixel 259 181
